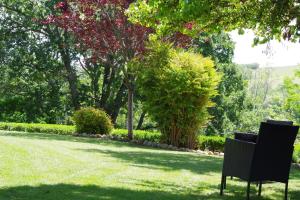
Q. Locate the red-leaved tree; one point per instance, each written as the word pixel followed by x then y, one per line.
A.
pixel 101 28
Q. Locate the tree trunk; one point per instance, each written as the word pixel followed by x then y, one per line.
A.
pixel 191 141
pixel 108 78
pixel 119 101
pixel 174 135
pixel 95 89
pixel 141 120
pixel 130 113
pixel 72 80
pixel 71 72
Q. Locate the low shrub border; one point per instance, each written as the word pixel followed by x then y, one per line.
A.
pixel 211 143
pixel 38 128
pixel 206 144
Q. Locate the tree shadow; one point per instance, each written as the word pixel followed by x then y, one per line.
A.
pixel 94 192
pixel 165 160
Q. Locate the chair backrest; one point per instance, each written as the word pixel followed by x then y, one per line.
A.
pixel 271 121
pixel 273 152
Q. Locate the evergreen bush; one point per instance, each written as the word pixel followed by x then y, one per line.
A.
pixel 92 121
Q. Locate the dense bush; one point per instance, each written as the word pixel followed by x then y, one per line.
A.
pixel 38 128
pixel 177 87
pixel 92 121
pixel 211 143
pixel 296 155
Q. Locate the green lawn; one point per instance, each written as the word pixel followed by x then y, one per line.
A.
pixel 44 167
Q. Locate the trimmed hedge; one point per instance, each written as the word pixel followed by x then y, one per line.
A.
pixel 38 128
pixel 139 135
pixel 70 130
pixel 211 143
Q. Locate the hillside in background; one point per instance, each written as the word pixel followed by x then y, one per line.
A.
pixel 280 73
pixel 265 84
pixel 271 75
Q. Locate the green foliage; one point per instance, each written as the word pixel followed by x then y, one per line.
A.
pixel 270 19
pixel 92 121
pixel 38 128
pixel 296 155
pixel 139 135
pixel 207 16
pixel 226 115
pixel 32 79
pixel 212 143
pixel 218 46
pixel 264 97
pixel 292 103
pixel 177 87
pixel 232 89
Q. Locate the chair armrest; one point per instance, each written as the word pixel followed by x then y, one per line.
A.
pixel 238 156
pixel 249 137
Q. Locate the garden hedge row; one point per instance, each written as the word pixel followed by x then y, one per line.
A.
pixel 140 135
pixel 211 143
pixel 38 128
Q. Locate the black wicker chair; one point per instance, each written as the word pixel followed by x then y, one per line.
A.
pixel 269 159
pixel 271 121
pixel 252 137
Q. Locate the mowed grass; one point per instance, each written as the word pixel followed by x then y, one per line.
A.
pixel 43 167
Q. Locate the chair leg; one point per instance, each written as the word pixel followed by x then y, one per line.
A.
pixel 222 185
pixel 231 177
pixel 248 190
pixel 259 189
pixel 286 190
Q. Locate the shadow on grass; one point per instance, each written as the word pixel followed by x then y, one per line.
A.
pixel 147 190
pixel 165 160
pixel 94 192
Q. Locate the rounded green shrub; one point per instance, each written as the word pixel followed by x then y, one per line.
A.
pixel 92 121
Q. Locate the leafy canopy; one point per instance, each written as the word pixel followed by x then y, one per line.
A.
pixel 271 19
